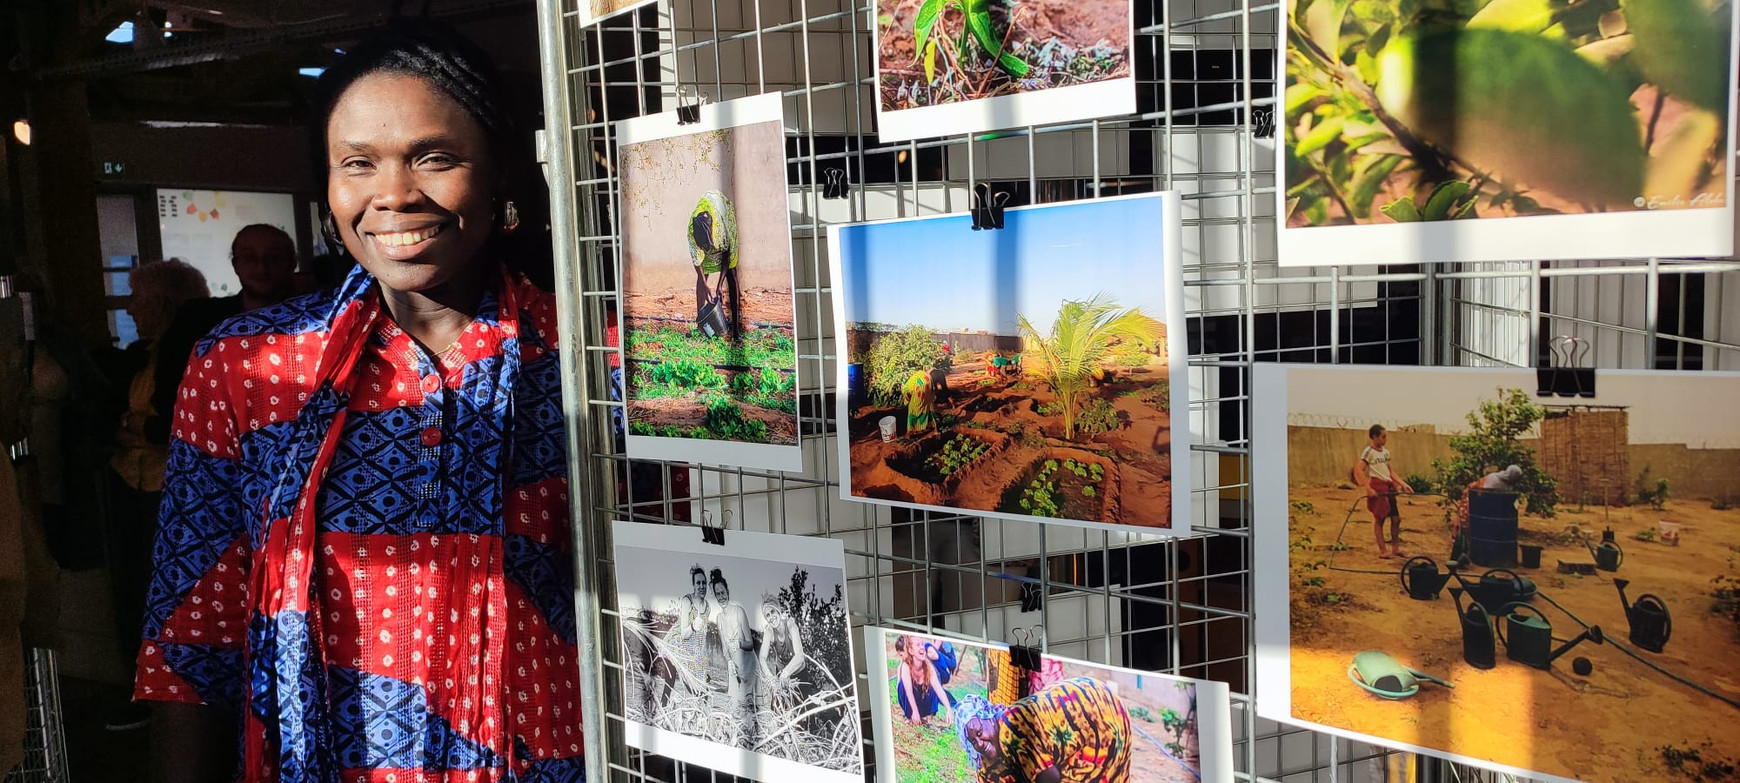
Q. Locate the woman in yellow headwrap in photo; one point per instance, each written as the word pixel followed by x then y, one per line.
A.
pixel 713 251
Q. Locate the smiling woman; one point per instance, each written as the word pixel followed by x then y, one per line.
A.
pixel 403 437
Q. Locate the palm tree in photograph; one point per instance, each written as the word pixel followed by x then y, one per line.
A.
pixel 1081 338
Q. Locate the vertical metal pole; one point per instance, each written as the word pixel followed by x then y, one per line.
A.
pixel 565 227
pixel 1651 312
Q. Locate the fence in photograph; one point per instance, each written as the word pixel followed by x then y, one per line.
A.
pixel 1206 84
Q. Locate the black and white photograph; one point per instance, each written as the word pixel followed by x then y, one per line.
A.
pixel 737 655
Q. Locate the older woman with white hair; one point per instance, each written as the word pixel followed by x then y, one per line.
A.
pixel 136 469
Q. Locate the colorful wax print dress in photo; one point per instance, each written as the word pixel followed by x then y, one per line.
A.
pixel 1077 726
pixel 364 547
pixel 920 400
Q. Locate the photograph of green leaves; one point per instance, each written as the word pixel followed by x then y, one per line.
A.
pixel 1423 111
pixel 961 66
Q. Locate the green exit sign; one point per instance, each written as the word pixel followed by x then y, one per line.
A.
pixel 113 168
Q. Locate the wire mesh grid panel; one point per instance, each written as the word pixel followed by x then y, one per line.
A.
pixel 1204 69
pixel 44 734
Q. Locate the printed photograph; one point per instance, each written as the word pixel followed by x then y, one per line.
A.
pixel 737 656
pixel 1549 585
pixel 1400 112
pixel 961 66
pixel 594 11
pixel 707 309
pixel 958 711
pixel 1029 376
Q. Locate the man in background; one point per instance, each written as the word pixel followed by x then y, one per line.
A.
pixel 264 258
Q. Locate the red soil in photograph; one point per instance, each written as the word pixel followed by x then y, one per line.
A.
pixel 1134 456
pixel 760 306
pixel 763 311
pixel 1611 725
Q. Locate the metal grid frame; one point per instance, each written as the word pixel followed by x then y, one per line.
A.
pixel 1194 135
pixel 44 735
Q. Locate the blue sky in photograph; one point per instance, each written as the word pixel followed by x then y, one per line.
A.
pixel 940 273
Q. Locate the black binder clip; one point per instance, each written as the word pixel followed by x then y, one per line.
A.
pixel 836 183
pixel 1022 654
pixel 1563 377
pixel 688 113
pixel 1032 597
pixel 710 533
pixel 988 207
pixel 1263 122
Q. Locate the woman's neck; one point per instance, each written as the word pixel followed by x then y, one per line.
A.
pixel 436 317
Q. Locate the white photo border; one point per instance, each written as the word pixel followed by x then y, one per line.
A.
pixel 1213 705
pixel 767 107
pixel 1697 232
pixel 1177 369
pixel 1271 624
pixel 810 551
pixel 1108 98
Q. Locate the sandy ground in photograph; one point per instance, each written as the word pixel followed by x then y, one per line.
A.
pixel 1608 726
pixel 1079 24
pixel 760 306
pixel 1137 490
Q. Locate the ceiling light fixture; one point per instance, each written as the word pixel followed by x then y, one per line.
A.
pixel 21 132
pixel 122 34
pixel 312 73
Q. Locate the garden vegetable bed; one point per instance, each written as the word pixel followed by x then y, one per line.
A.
pixel 946 463
pixel 1066 484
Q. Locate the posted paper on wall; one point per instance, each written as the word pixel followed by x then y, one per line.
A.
pixel 1506 130
pixel 1583 635
pixel 947 710
pixel 736 656
pixel 708 317
pixel 1038 373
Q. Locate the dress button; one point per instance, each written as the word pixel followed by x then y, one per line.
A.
pixel 431 436
pixel 431 383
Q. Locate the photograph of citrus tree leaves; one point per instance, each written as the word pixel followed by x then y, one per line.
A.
pixel 1410 110
pixel 934 52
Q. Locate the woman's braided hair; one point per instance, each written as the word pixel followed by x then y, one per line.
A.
pixel 435 53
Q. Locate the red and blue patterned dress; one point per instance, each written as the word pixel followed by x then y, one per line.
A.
pixel 364 547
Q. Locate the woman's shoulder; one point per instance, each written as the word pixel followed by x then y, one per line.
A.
pixel 292 317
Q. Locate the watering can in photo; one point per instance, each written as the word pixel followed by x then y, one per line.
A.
pixel 1421 578
pixel 1385 677
pixel 1651 625
pixel 1608 555
pixel 1497 587
pixel 711 318
pixel 1478 646
pixel 1528 636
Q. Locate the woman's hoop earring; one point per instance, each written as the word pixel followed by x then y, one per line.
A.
pixel 329 227
pixel 510 216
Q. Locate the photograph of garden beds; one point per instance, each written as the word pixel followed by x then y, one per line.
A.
pixel 1000 442
pixel 687 385
pixel 706 232
pixel 1021 379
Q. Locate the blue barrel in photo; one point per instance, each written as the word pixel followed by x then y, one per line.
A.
pixel 1492 528
pixel 854 384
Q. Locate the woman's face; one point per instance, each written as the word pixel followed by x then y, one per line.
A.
pixel 699 582
pixel 409 181
pixel 722 593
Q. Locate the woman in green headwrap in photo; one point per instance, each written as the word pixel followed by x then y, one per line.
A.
pixel 713 251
